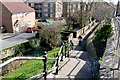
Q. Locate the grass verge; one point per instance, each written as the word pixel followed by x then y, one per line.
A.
pixel 31 68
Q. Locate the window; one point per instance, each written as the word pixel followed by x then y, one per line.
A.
pixel 36 3
pixel 46 15
pixel 40 8
pixel 16 24
pixel 39 11
pixel 29 4
pixel 49 10
pixel 32 4
pixel 26 14
pixel 16 16
pixel 40 4
pixel 22 14
pixel 49 15
pixel 49 5
pixel 45 5
pixel 29 21
pixel 45 10
pixel 40 14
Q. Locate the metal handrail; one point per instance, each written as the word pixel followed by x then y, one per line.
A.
pixel 59 57
pixel 20 58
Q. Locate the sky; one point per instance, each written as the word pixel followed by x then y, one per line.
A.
pixel 114 1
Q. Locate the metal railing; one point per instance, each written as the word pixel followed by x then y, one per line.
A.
pixel 64 51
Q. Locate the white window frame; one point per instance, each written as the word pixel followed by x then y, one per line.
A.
pixel 32 4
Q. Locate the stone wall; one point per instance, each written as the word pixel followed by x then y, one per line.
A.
pixel 82 30
pixel 7 52
pixel 11 67
pixel 110 61
pixel 19 48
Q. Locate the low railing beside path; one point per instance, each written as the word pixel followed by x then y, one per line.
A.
pixel 64 51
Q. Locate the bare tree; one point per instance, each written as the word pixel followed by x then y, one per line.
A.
pixel 102 11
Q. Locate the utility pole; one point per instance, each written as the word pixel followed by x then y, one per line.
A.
pixel 69 14
pixel 117 9
pixel 81 12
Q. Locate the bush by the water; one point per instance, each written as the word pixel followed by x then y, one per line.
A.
pixel 101 36
pixel 104 33
pixel 50 36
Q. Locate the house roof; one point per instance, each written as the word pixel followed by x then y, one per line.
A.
pixel 17 7
pixel 39 1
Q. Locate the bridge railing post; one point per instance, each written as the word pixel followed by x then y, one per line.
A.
pixel 45 66
pixel 69 48
pixel 57 65
pixel 62 52
pixel 65 50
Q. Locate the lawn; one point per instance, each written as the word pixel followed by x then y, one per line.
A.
pixel 31 68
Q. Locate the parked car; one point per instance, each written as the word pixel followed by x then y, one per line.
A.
pixel 31 29
pixel 45 21
pixel 60 18
pixel 42 20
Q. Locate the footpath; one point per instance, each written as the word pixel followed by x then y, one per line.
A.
pixel 77 65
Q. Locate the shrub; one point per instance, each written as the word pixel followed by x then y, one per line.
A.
pixel 104 33
pixel 100 61
pixel 39 24
pixel 50 36
pixel 24 47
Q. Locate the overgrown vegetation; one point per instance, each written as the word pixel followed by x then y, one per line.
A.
pixel 31 68
pixel 104 33
pixel 101 36
pixel 50 36
pixel 23 49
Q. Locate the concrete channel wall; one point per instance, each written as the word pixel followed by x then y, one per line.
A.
pixel 89 43
pixel 82 30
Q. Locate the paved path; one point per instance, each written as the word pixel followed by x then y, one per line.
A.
pixel 76 65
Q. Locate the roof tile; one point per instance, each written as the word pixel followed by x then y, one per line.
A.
pixel 17 7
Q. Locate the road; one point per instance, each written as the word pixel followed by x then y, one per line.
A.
pixel 17 39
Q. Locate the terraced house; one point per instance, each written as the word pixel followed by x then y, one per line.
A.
pixel 16 16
